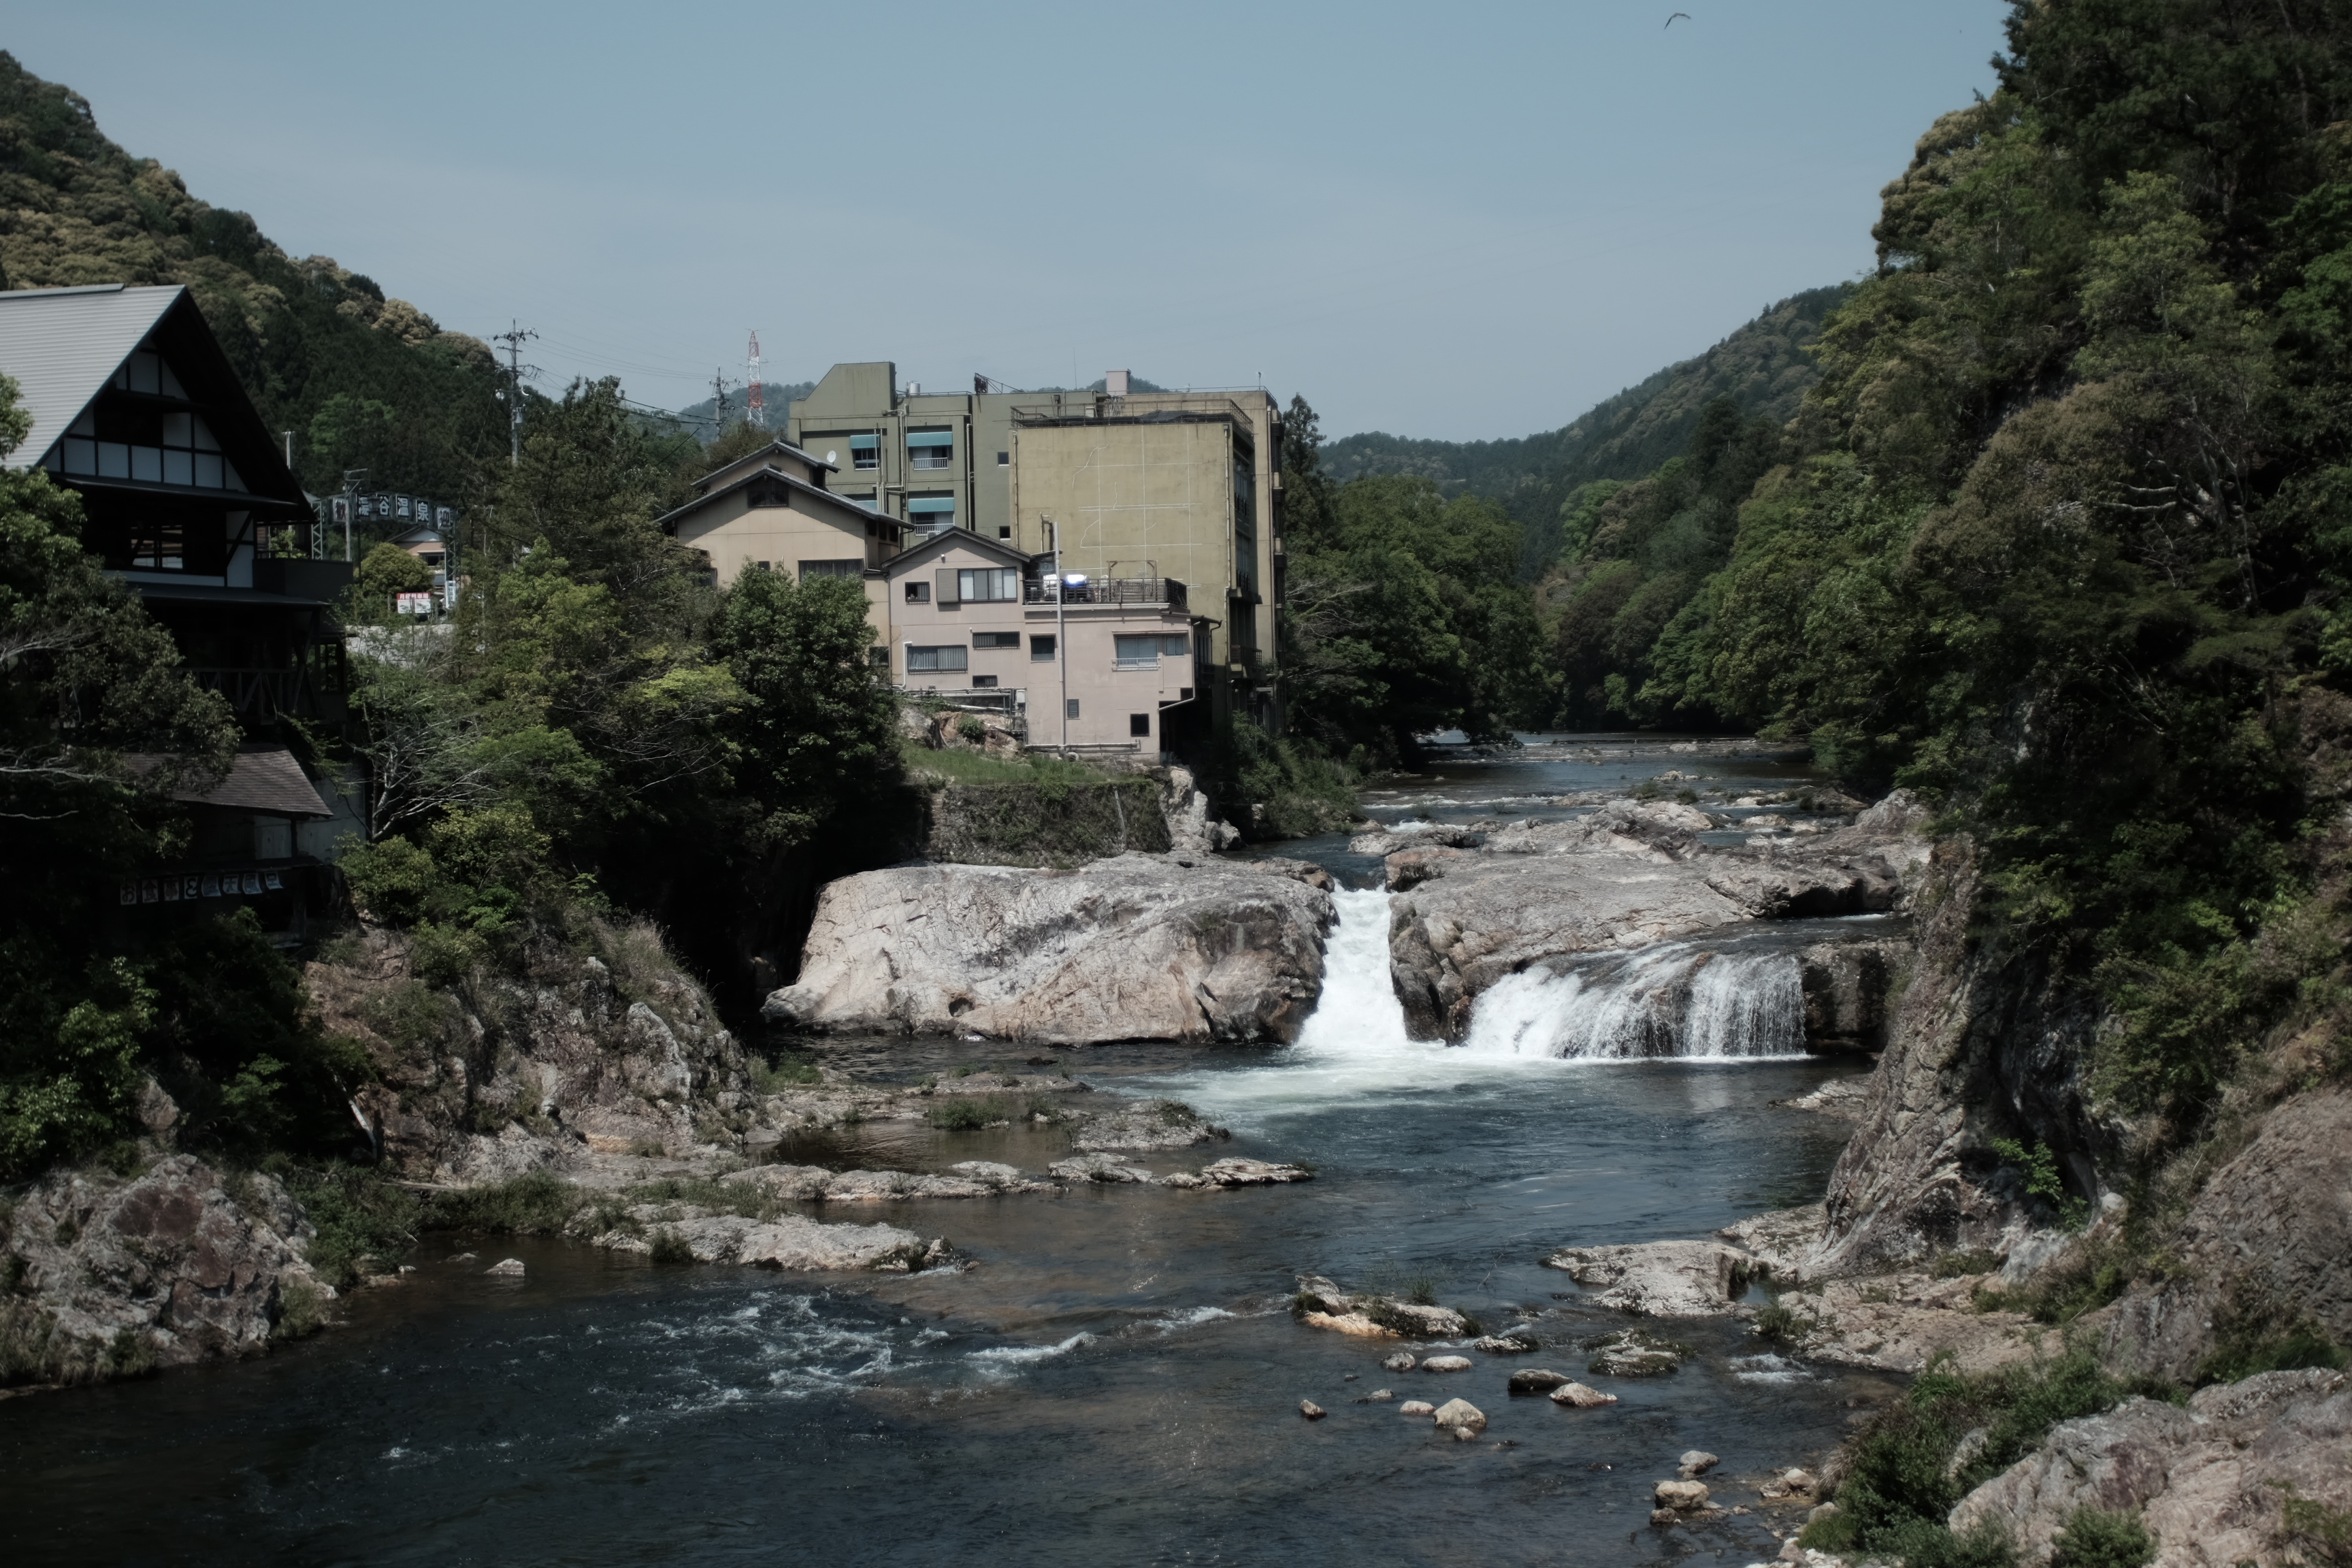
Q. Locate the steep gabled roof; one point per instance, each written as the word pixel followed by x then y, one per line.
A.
pixel 857 512
pixel 945 540
pixel 63 345
pixel 752 462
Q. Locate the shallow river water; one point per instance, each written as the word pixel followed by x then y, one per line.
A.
pixel 1116 1380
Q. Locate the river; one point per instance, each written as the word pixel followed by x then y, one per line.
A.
pixel 1117 1378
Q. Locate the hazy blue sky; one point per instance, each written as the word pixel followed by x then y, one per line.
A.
pixel 1462 221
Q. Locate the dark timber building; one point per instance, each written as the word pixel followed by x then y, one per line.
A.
pixel 190 502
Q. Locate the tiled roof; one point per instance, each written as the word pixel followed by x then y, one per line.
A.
pixel 263 778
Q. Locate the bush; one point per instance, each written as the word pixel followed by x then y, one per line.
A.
pixel 2095 1539
pixel 969 1115
pixel 1304 792
pixel 669 1249
pixel 784 1071
pixel 359 1213
pixel 1903 1482
pixel 533 1203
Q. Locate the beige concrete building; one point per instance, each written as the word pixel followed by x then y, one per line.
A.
pixel 1153 486
pixel 1103 669
pixel 773 510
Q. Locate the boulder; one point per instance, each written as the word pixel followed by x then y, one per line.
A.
pixel 1632 1352
pixel 1682 1497
pixel 1312 1411
pixel 1143 1125
pixel 1779 1241
pixel 1901 1323
pixel 510 1267
pixel 1661 1279
pixel 1506 1344
pixel 1234 1171
pixel 1537 1380
pixel 1416 1407
pixel 1400 1361
pixel 113 1275
pixel 1461 1416
pixel 1098 1168
pixel 2213 1480
pixel 1579 1396
pixel 1130 947
pixel 790 1242
pixel 1696 1462
pixel 1446 1363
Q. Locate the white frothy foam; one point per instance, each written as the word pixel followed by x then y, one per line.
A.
pixel 1677 999
pixel 1022 1355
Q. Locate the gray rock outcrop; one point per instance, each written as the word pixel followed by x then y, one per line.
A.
pixel 2267 1245
pixel 2217 1482
pixel 1125 949
pixel 563 1063
pixel 113 1275
pixel 1661 1279
pixel 1627 876
pixel 790 1242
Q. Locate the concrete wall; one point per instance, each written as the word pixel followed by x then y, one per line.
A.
pixel 735 536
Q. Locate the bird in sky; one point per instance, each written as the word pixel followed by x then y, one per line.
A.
pixel 1684 16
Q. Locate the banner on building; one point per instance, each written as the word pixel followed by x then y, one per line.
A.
pixel 413 603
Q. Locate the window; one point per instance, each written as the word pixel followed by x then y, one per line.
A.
pixel 865 452
pixel 763 565
pixel 989 585
pixel 982 682
pixel 1070 709
pixel 931 511
pixel 930 448
pixel 949 658
pixel 1138 724
pixel 1003 459
pixel 161 546
pixel 918 593
pixel 1041 649
pixel 852 568
pixel 1135 652
pixel 1003 531
pixel 996 640
pixel 172 447
pixel 879 657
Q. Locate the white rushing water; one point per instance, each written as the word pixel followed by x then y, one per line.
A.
pixel 1676 1001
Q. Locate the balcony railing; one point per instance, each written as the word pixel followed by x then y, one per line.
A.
pixel 1165 590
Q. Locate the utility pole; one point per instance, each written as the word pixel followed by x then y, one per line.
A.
pixel 718 386
pixel 352 479
pixel 290 451
pixel 1061 633
pixel 513 337
pixel 757 413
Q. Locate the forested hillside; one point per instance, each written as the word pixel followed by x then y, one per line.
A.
pixel 1763 369
pixel 364 380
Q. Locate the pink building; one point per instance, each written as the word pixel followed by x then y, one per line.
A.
pixel 1106 667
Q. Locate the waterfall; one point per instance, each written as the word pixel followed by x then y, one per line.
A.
pixel 1358 1011
pixel 1676 999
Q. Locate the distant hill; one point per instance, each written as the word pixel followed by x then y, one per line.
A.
pixel 1763 368
pixel 364 380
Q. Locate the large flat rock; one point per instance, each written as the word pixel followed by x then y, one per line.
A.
pixel 1631 875
pixel 1133 948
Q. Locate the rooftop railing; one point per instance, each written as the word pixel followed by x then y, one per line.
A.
pixel 1165 590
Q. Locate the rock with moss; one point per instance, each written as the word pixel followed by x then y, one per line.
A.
pixel 560 1053
pixel 790 1242
pixel 1320 1304
pixel 2253 1471
pixel 1635 1352
pixel 112 1275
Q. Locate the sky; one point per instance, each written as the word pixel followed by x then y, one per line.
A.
pixel 1459 222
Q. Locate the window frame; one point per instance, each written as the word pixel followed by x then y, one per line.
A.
pixel 927 658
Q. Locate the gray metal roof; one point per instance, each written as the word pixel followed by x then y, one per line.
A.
pixel 267 779
pixel 63 345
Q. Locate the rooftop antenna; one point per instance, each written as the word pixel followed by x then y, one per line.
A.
pixel 757 409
